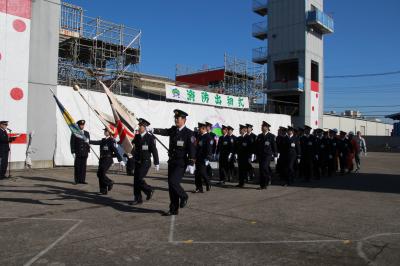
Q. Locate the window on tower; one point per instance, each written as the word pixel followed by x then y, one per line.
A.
pixel 314 71
pixel 286 71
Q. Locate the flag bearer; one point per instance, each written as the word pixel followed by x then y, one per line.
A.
pixel 80 149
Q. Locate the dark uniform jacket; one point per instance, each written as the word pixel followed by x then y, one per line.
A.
pixel 108 148
pixel 144 147
pixel 213 139
pixel 252 140
pixel 308 147
pixel 204 148
pixel 181 144
pixel 265 146
pixel 4 142
pixel 324 149
pixel 243 150
pixel 79 146
pixel 291 148
pixel 333 147
pixel 344 147
pixel 226 145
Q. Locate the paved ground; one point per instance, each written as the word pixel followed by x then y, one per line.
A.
pixel 346 220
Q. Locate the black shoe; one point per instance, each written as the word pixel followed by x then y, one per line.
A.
pixel 84 182
pixel 136 202
pixel 239 186
pixel 110 186
pixel 222 182
pixel 261 188
pixel 170 213
pixel 183 203
pixel 76 182
pixel 208 188
pixel 149 195
pixel 103 192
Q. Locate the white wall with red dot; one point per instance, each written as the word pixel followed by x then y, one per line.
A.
pixel 15 20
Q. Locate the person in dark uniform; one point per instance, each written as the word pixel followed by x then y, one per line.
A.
pixel 252 140
pixel 130 165
pixel 144 147
pixel 182 153
pixel 290 156
pixel 108 150
pixel 225 151
pixel 344 148
pixel 307 147
pixel 80 149
pixel 317 164
pixel 231 165
pixel 203 158
pixel 5 141
pixel 243 154
pixel 280 146
pixel 324 151
pixel 266 150
pixel 214 140
pixel 333 152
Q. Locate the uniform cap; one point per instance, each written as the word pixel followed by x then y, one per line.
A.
pixel 81 122
pixel 224 127
pixel 199 125
pixel 343 133
pixel 143 122
pixel 4 122
pixel 208 124
pixel 307 127
pixel 180 113
pixel 265 124
pixel 230 128
pixel 242 126
pixel 249 126
pixel 290 128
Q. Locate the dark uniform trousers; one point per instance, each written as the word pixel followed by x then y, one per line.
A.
pixel 265 170
pixel 224 168
pixel 139 184
pixel 80 168
pixel 3 163
pixel 307 156
pixel 130 166
pixel 181 153
pixel 201 175
pixel 108 151
pixel 104 165
pixel 145 146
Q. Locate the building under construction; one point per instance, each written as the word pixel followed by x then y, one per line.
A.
pixel 236 77
pixel 108 50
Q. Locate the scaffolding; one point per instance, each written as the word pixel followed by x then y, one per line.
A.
pixel 111 51
pixel 241 77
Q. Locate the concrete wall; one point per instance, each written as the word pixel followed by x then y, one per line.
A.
pixel 42 76
pixel 367 128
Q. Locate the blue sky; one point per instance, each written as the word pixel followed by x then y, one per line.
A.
pixel 197 33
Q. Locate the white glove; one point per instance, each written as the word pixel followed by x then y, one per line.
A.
pixel 236 156
pixel 253 157
pixel 122 163
pixel 206 162
pixel 157 168
pixel 229 156
pixel 191 169
pixel 87 140
pixel 298 161
pixel 276 160
pixel 150 129
pixel 316 156
pixel 73 155
pixel 278 155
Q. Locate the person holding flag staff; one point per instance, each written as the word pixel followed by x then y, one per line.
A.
pixel 80 149
pixel 108 150
pixel 181 154
pixel 144 147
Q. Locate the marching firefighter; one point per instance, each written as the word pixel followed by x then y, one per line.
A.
pixel 290 156
pixel 252 150
pixel 225 151
pixel 108 150
pixel 266 150
pixel 181 154
pixel 307 143
pixel 144 147
pixel 213 139
pixel 203 158
pixel 232 159
pixel 344 148
pixel 333 152
pixel 243 155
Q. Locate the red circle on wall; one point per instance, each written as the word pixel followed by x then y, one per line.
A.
pixel 312 108
pixel 316 95
pixel 0 56
pixel 19 25
pixel 17 94
pixel 316 122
